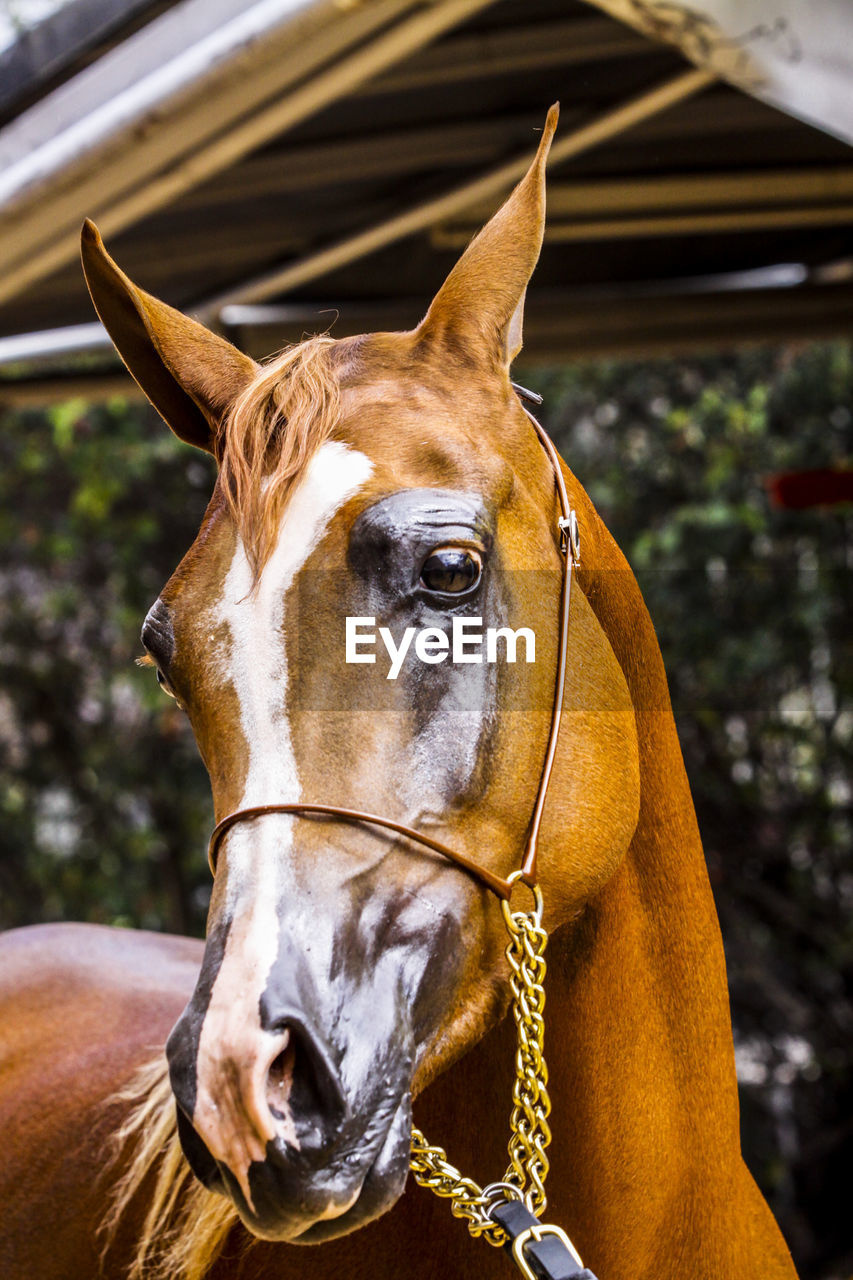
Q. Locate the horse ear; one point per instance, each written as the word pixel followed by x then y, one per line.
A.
pixel 481 303
pixel 190 375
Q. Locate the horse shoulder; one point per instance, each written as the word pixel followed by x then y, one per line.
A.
pixel 81 1008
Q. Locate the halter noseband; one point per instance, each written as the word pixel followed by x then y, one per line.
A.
pixel 570 550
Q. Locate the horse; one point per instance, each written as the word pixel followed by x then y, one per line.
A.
pixel 185 1109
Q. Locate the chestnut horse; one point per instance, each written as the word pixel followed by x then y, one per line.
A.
pixel 393 476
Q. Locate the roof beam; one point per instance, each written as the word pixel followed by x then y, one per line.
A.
pixel 261 329
pixel 50 344
pixel 702 191
pixel 396 153
pixel 556 329
pixel 401 151
pixel 46 51
pixel 683 205
pixel 676 325
pixel 692 224
pixel 457 143
pixel 203 110
pixel 510 50
pixel 488 186
pixel 34 392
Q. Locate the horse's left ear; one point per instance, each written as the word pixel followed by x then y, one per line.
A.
pixel 481 303
pixel 190 375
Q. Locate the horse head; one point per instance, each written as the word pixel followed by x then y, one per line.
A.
pixel 392 477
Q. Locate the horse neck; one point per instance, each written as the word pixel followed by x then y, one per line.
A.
pixel 646 1124
pixel 639 982
pixel 647 1174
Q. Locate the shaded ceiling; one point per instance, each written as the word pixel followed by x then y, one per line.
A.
pixel 714 219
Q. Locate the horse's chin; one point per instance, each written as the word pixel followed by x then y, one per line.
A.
pixel 378 1190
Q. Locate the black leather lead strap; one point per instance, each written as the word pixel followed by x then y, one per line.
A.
pixel 537 1249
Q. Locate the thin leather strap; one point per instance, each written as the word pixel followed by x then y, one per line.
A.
pixel 503 888
pixel 569 549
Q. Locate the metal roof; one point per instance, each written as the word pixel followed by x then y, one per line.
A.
pixel 278 166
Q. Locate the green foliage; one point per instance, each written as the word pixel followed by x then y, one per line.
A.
pixel 104 802
pixel 752 606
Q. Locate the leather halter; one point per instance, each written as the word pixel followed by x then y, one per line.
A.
pixel 569 549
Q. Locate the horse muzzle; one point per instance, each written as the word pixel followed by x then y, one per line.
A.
pixel 278 1128
pixel 293 1062
pixel 306 1130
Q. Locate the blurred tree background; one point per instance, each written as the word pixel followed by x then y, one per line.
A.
pixel 105 806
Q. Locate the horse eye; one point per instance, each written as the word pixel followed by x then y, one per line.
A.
pixel 164 684
pixel 451 570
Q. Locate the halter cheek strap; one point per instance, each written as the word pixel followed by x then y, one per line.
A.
pixel 569 540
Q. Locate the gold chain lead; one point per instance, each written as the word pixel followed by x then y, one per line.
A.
pixel 529 1130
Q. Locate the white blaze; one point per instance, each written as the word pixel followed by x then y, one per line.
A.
pixel 234 1052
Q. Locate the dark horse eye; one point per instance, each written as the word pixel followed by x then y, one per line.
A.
pixel 451 570
pixel 166 687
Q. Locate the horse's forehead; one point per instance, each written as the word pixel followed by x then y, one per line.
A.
pixel 416 433
pixel 417 426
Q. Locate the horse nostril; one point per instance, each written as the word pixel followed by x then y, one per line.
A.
pixel 303 1089
pixel 280 1079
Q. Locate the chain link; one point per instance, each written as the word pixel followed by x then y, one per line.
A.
pixel 529 1130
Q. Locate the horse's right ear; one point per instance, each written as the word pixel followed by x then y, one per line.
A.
pixel 480 306
pixel 190 375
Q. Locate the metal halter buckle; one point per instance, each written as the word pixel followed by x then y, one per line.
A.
pixel 537 1233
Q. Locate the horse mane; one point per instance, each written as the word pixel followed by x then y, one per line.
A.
pixel 271 432
pixel 185 1225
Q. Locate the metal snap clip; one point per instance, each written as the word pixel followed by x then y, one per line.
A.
pixel 571 535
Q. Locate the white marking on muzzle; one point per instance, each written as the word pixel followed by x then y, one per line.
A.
pixel 235 1053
